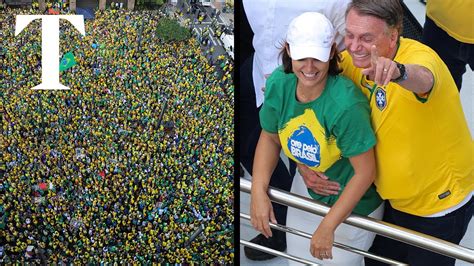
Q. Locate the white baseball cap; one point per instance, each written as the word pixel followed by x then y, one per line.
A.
pixel 311 35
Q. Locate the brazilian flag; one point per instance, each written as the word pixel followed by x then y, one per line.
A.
pixel 67 61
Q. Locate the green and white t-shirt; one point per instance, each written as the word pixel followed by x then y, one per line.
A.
pixel 323 133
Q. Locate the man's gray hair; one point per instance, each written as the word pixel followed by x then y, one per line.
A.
pixel 390 11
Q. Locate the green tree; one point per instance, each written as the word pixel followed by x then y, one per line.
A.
pixel 149 3
pixel 170 30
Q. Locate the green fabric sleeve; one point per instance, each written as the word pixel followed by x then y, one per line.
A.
pixel 270 113
pixel 353 131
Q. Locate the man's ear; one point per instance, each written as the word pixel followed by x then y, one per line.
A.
pixel 394 38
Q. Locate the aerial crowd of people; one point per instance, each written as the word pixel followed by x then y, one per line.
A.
pixel 133 164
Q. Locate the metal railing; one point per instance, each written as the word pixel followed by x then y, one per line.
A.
pixel 336 244
pixel 276 253
pixel 382 228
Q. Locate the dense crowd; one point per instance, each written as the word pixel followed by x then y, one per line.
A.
pixel 129 163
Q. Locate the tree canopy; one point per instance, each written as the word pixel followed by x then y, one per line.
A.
pixel 170 30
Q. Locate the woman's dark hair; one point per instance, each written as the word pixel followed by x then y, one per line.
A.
pixel 334 68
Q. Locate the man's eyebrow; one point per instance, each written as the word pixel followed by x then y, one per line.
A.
pixel 367 34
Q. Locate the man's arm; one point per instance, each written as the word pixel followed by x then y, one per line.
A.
pixel 419 79
pixel 383 70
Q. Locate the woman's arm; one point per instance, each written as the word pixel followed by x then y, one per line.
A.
pixel 364 175
pixel 266 158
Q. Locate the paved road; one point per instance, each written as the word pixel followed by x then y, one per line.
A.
pixel 207 27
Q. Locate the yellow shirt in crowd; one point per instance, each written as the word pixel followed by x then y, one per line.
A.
pixel 453 16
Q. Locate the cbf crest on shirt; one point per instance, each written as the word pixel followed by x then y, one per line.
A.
pixel 380 98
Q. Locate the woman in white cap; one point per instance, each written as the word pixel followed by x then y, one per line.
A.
pixel 321 120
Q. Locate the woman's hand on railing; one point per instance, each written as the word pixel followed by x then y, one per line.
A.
pixel 261 212
pixel 318 181
pixel 321 243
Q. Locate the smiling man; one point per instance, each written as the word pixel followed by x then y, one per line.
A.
pixel 424 151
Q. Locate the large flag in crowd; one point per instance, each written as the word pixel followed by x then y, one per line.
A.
pixel 67 61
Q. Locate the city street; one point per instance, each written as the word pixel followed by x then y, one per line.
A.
pixel 205 21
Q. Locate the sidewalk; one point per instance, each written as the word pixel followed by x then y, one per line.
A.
pixel 227 18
